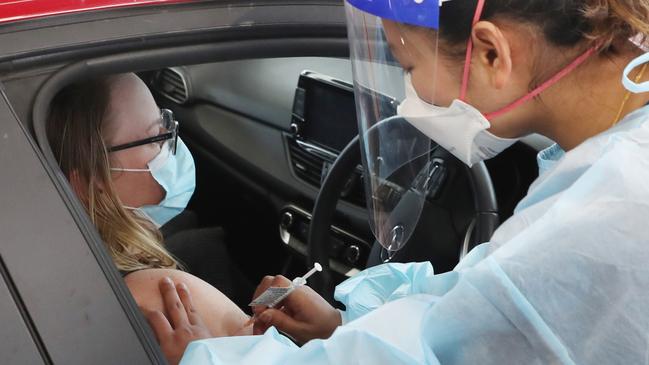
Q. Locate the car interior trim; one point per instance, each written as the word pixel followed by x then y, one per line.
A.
pixel 24 313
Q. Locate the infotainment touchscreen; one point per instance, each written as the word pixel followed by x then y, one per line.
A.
pixel 324 111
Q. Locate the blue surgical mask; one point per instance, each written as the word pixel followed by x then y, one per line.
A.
pixel 631 85
pixel 177 176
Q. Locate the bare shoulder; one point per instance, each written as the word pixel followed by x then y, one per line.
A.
pixel 221 315
pixel 143 280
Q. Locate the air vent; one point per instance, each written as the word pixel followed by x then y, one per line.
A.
pixel 308 168
pixel 172 85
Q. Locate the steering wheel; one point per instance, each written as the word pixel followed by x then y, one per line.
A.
pixel 480 219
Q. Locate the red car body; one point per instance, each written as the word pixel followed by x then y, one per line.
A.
pixel 16 10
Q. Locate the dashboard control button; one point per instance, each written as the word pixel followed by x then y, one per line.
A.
pixel 352 254
pixel 294 129
pixel 287 220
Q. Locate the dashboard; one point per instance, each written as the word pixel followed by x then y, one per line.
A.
pixel 244 116
pixel 278 124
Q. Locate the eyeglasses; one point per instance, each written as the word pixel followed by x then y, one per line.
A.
pixel 167 124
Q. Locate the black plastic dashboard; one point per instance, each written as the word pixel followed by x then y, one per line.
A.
pixel 242 114
pixel 239 114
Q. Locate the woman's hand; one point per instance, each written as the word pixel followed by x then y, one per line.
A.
pixel 183 324
pixel 304 315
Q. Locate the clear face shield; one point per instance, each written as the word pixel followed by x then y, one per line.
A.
pixel 396 155
pixel 401 113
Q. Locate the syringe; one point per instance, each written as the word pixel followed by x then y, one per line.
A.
pixel 274 295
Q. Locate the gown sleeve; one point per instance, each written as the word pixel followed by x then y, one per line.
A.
pixel 568 286
pixel 398 295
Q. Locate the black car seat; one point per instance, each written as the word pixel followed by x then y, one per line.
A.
pixel 203 252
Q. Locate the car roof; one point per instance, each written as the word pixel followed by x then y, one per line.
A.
pixel 17 10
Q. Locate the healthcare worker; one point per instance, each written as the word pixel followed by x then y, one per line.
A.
pixel 566 279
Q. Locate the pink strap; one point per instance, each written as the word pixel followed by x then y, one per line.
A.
pixel 467 71
pixel 469 52
pixel 563 73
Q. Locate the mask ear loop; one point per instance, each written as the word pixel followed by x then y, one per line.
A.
pixel 469 52
pixel 546 85
pixel 563 73
pixel 128 170
pixel 627 96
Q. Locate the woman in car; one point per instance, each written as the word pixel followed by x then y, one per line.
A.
pixel 566 279
pixel 133 174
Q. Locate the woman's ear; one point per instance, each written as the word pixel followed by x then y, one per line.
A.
pixel 492 53
pixel 78 185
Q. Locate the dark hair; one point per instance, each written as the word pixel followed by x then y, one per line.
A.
pixel 563 22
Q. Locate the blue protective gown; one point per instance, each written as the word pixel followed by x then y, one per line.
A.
pixel 564 281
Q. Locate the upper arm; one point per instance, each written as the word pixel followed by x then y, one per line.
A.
pixel 221 315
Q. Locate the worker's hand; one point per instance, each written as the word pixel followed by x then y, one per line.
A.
pixel 182 324
pixel 304 315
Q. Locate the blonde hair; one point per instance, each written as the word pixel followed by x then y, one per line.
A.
pixel 74 130
pixel 617 20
